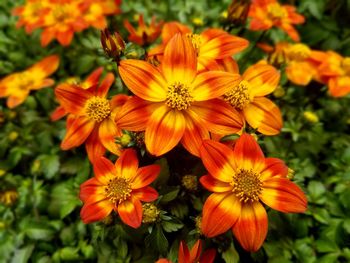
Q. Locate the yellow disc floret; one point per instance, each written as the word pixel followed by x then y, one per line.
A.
pixel 247 185
pixel 178 96
pixel 118 189
pixel 97 108
pixel 238 96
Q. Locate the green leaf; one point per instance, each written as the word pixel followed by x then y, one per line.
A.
pixel 325 245
pixel 231 255
pixel 157 240
pixel 171 195
pixel 49 164
pixel 172 225
pixel 23 255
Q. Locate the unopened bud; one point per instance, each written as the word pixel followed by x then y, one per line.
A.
pixel 279 92
pixel 125 140
pixel 150 213
pixel 112 43
pixel 310 116
pixel 198 221
pixel 190 182
pixel 8 197
pixel 197 21
pixel 238 12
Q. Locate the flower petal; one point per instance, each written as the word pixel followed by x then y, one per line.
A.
pixel 107 133
pixel 107 82
pixel 145 176
pixel 220 213
pixel 130 212
pixel 251 228
pixel 208 256
pixel 170 29
pixel 213 84
pixel 91 191
pixel 164 130
pixel 196 251
pixel 213 185
pixel 104 170
pixel 184 253
pixel 143 79
pixel 180 61
pixel 274 167
pixel 94 147
pixel 145 194
pixel 46 66
pixel 283 195
pixel 127 164
pixel 58 113
pixel 264 115
pixel 218 159
pixel 96 211
pixel 77 132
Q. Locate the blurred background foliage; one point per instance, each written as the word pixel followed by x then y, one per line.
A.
pixel 39 210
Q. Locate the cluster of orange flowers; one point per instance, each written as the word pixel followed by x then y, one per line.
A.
pixel 59 19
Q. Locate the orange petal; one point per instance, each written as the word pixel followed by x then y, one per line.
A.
pixel 219 116
pixel 274 167
pixel 300 72
pixel 220 213
pixel 264 115
pixel 104 170
pixel 213 84
pixel 145 176
pixel 194 135
pixel 77 132
pixel 218 44
pixel 213 185
pixel 218 160
pixel 46 37
pixel 145 194
pixel 291 31
pixel 143 79
pixel 164 130
pixel 94 147
pixel 184 253
pixel 135 114
pixel 58 113
pixel 107 82
pixel 251 228
pixel 339 87
pixel 208 256
pixel 127 164
pixel 263 79
pixel 15 100
pixel 170 29
pixel 47 65
pixel 93 78
pixel 65 37
pixel 196 251
pixel 96 211
pixel 180 61
pixel 72 98
pixel 130 212
pixel 107 133
pixel 91 191
pixel 283 195
pixel 228 64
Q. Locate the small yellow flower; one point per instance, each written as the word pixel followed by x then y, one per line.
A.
pixel 13 136
pixel 8 197
pixel 224 14
pixel 190 182
pixel 310 116
pixel 125 140
pixel 150 213
pixel 2 172
pixel 279 92
pixel 198 21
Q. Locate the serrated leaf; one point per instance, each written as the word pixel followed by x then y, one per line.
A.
pixel 172 225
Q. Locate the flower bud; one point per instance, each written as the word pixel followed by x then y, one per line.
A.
pixel 190 182
pixel 237 12
pixel 150 213
pixel 112 43
pixel 310 116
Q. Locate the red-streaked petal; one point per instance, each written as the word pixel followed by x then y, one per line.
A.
pixel 194 135
pixel 46 37
pixel 170 29
pixel 58 113
pixel 145 176
pixel 107 82
pixel 228 64
pixel 72 98
pixel 218 160
pixel 180 61
pixel 130 212
pixel 96 211
pixel 263 79
pixel 65 37
pixel 104 170
pixel 143 79
pixel 274 167
pixel 213 185
pixel 219 116
pixel 93 78
pixel 283 195
pixel 208 256
pixel 184 253
pixel 107 133
pixel 145 194
pixel 164 130
pixel 127 164
pixel 196 251
pixel 135 114
pixel 77 132
pixel 264 115
pixel 47 65
pixel 247 153
pixel 213 84
pixel 251 228
pixel 94 147
pixel 90 188
pixel 220 213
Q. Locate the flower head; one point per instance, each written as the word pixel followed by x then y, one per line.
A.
pixel 241 179
pixel 174 102
pixel 112 43
pixel 18 85
pixel 120 187
pixel 266 14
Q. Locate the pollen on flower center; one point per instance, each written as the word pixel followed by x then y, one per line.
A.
pixel 97 108
pixel 276 11
pixel 299 52
pixel 238 96
pixel 246 185
pixel 178 96
pixel 196 41
pixel 118 190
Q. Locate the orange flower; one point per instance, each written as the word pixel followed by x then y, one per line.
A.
pixel 240 179
pixel 335 71
pixel 18 85
pixel 268 13
pixel 91 80
pixel 91 118
pixel 175 102
pixel 144 35
pixel 210 45
pixel 120 187
pixel 248 98
pixel 193 256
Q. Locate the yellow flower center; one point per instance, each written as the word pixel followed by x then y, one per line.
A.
pixel 299 52
pixel 276 11
pixel 118 189
pixel 25 81
pixel 150 213
pixel 346 65
pixel 60 12
pixel 97 108
pixel 178 96
pixel 247 185
pixel 196 41
pixel 238 96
